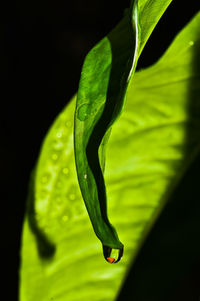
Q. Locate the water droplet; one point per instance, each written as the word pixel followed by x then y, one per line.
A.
pixel 57 145
pixel 191 43
pixel 54 157
pixel 65 218
pixel 112 255
pixel 72 196
pixel 58 199
pixel 78 210
pixel 65 171
pixel 59 134
pixel 45 178
pixel 42 194
pixel 83 112
pixel 85 176
pixel 68 124
pixel 58 184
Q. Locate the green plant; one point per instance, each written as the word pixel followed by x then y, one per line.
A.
pixel 147 153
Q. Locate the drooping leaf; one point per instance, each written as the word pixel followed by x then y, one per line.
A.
pixel 149 148
pixel 106 73
pixel 159 132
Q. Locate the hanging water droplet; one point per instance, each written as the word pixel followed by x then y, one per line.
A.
pixel 83 112
pixel 112 255
pixel 191 43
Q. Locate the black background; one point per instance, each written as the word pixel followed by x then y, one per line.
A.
pixel 43 47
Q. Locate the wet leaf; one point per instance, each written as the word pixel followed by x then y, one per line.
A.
pixel 106 73
pixel 151 145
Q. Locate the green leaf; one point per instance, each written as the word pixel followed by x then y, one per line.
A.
pixel 106 74
pixel 168 261
pixel 150 12
pixel 150 147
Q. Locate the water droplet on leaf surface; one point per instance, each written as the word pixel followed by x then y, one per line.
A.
pixel 65 170
pixel 112 255
pixel 58 199
pixel 68 124
pixel 45 178
pixel 59 135
pixel 83 112
pixel 58 185
pixel 72 196
pixel 54 156
pixel 65 218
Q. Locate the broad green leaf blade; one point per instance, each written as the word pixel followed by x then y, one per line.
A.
pixel 105 76
pixel 61 257
pixel 168 260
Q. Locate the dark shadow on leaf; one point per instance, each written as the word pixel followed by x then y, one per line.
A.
pixel 167 267
pixel 124 49
pixel 46 248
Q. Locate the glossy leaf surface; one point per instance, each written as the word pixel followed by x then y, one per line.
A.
pixel 106 73
pixel 150 146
